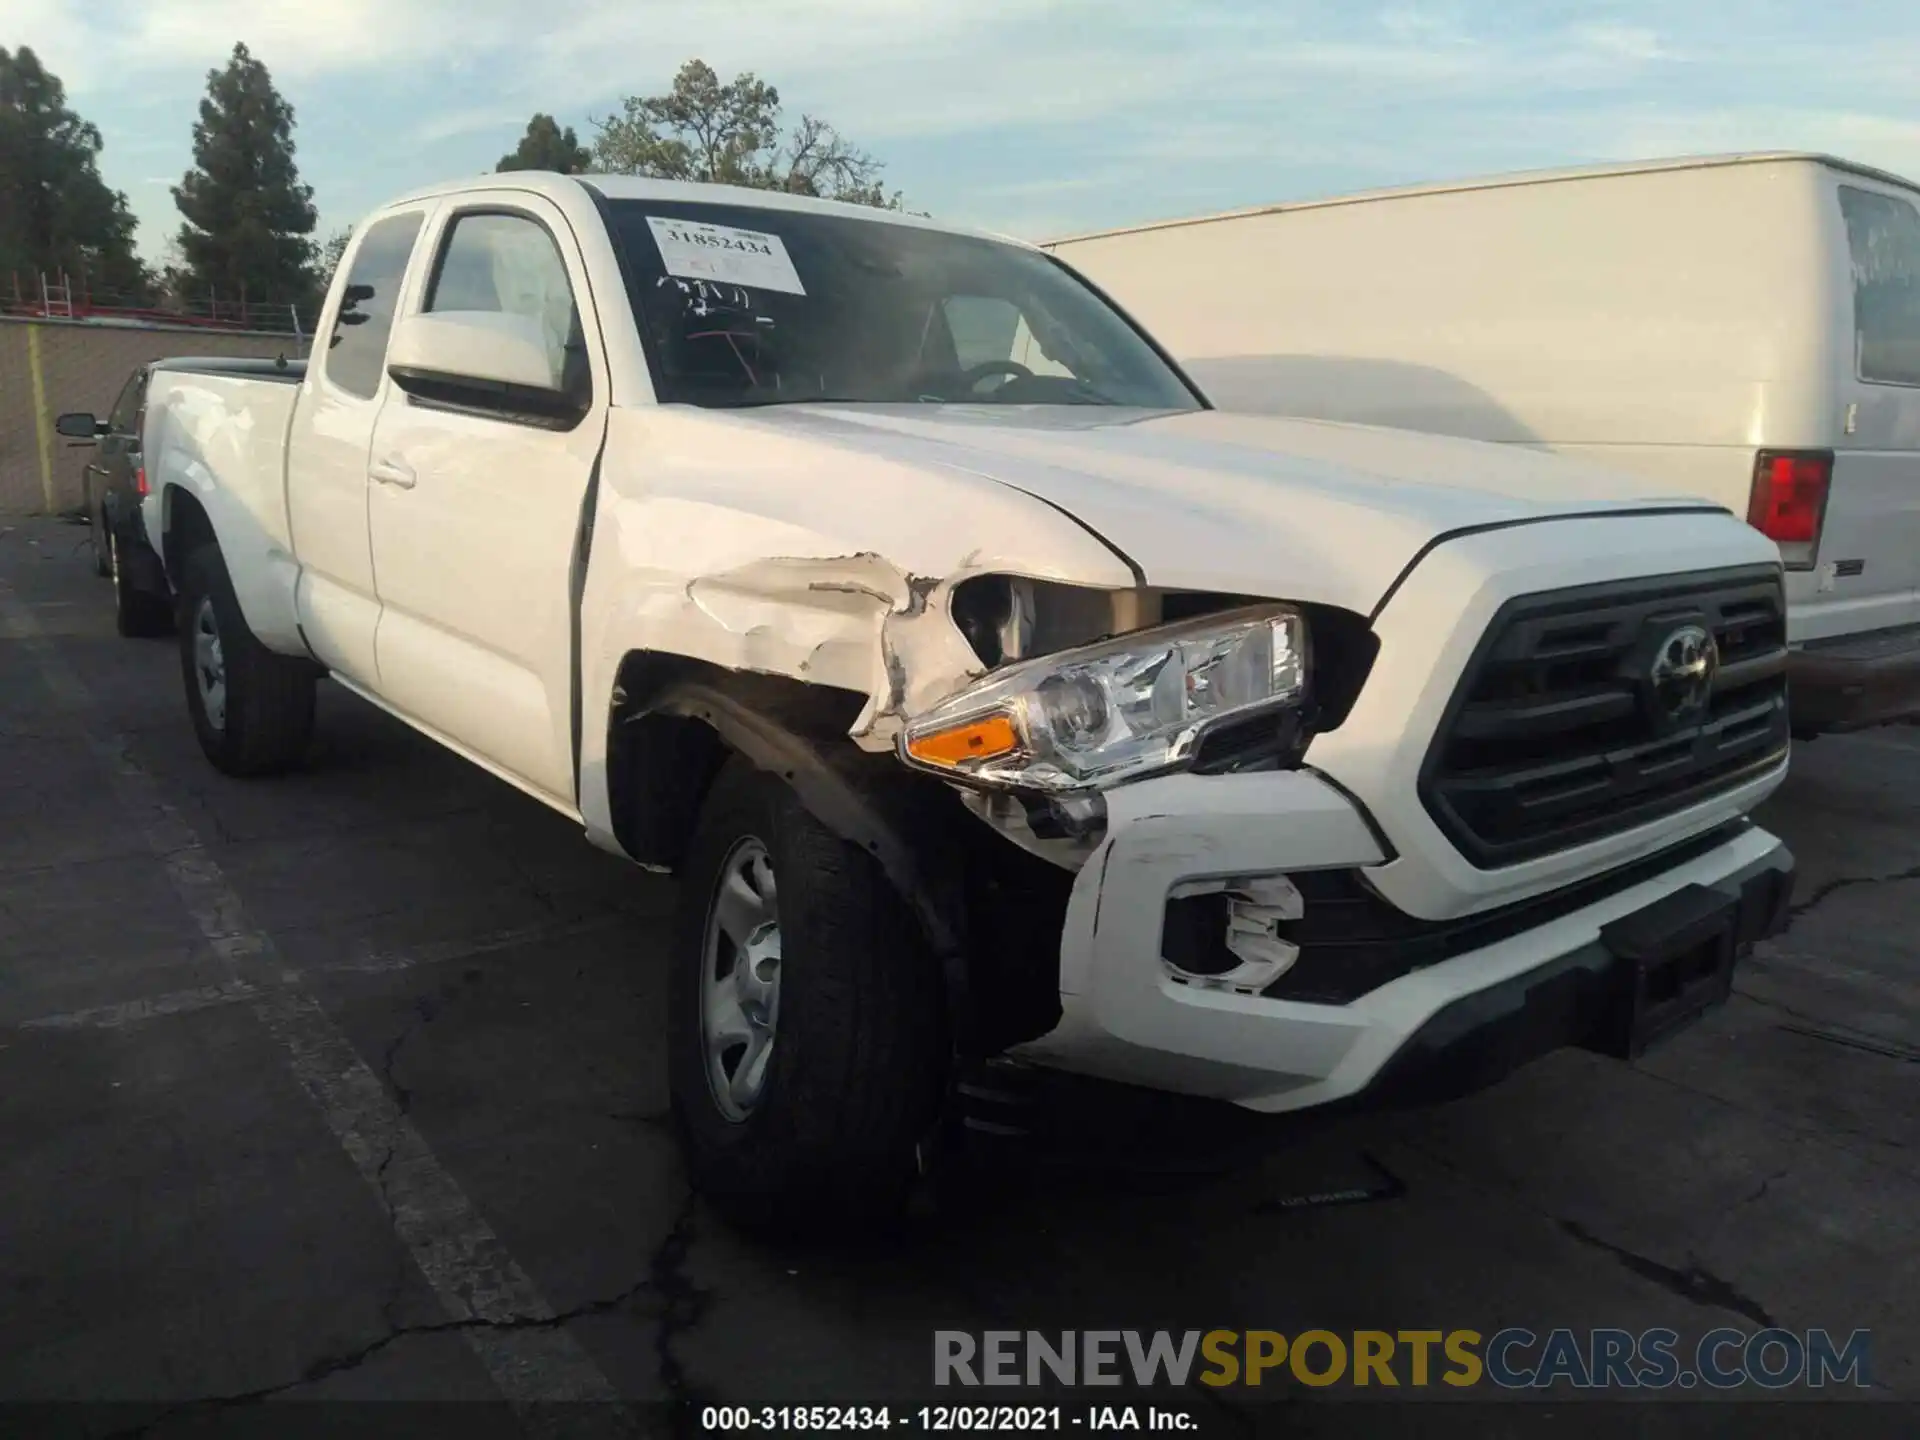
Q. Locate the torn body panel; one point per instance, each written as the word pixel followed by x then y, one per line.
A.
pixel 829 544
pixel 756 553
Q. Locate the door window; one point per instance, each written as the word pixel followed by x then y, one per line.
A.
pixel 1883 235
pixel 125 419
pixel 357 350
pixel 508 264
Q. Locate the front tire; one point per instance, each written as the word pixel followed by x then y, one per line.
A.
pixel 807 1047
pixel 252 709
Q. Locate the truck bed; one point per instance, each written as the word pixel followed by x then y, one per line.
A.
pixel 284 369
pixel 219 429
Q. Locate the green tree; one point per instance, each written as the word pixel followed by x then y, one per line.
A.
pixel 248 217
pixel 56 214
pixel 331 253
pixel 730 134
pixel 546 146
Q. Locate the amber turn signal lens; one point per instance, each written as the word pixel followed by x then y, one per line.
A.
pixel 976 740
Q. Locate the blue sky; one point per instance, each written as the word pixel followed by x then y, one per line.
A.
pixel 1035 117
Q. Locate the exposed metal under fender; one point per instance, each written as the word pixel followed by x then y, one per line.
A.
pixel 855 622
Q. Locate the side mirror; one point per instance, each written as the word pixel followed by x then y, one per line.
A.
pixel 480 359
pixel 80 425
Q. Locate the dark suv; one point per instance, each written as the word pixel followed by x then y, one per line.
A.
pixel 116 483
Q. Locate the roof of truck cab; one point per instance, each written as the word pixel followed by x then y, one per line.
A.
pixel 1499 182
pixel 235 364
pixel 559 188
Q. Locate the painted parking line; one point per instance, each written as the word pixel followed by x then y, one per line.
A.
pixel 365 960
pixel 478 1283
pixel 150 1007
pixel 369 961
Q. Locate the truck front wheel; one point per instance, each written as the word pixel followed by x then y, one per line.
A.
pixel 807 1046
pixel 252 709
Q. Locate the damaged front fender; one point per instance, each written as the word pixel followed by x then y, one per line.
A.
pixel 764 554
pixel 854 622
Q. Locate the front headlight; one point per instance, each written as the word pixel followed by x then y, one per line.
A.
pixel 1087 718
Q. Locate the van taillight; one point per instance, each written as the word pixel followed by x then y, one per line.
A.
pixel 1789 501
pixel 139 479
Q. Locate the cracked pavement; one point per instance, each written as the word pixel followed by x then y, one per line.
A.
pixel 183 1230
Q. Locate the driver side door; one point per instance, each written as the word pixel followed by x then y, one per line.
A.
pixel 474 513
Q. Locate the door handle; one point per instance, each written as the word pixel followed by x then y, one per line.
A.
pixel 393 471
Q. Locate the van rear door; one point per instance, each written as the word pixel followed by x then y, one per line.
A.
pixel 1866 573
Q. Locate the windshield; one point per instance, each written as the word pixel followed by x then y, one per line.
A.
pixel 748 306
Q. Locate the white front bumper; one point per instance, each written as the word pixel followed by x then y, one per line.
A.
pixel 1125 1018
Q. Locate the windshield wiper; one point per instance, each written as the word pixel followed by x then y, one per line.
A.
pixel 760 402
pixel 1093 396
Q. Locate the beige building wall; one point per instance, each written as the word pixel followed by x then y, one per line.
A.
pixel 51 366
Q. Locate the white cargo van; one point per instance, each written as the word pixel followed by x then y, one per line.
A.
pixel 1745 328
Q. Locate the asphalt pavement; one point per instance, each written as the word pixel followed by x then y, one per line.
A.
pixel 349 1085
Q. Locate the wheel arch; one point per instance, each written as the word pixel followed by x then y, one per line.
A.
pixel 675 721
pixel 184 525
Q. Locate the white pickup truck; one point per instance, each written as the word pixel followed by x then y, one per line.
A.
pixel 990 693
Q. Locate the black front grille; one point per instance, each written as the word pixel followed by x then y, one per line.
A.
pixel 1352 941
pixel 1555 738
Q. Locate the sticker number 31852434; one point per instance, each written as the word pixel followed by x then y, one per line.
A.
pixel 697 251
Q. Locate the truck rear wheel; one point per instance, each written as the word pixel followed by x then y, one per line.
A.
pixel 252 709
pixel 807 1047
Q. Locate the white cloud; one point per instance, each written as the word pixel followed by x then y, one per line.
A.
pixel 585 47
pixel 880 69
pixel 1888 142
pixel 1631 42
pixel 1038 115
pixel 95 45
pixel 1062 185
pixel 910 66
pixel 452 124
pixel 295 37
pixel 1419 25
pixel 53 30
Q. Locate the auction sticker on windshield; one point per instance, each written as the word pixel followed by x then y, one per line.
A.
pixel 696 251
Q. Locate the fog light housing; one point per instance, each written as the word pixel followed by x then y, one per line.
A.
pixel 1226 934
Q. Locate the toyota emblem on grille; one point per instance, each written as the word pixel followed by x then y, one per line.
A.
pixel 1682 672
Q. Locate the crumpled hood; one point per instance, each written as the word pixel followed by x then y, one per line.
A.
pixel 1298 509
